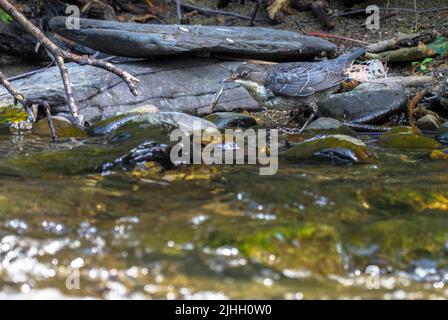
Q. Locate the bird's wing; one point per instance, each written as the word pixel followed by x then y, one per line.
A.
pixel 302 81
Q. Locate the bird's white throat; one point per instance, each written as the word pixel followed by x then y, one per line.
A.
pixel 256 90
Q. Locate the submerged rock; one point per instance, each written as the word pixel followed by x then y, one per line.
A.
pixel 428 123
pixel 144 137
pixel 406 138
pixel 320 127
pixel 63 127
pixel 442 133
pixel 333 148
pixel 225 120
pixel 367 103
pixel 180 120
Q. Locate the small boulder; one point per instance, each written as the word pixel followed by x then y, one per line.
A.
pixel 63 127
pixel 407 138
pixel 428 123
pixel 366 103
pixel 334 148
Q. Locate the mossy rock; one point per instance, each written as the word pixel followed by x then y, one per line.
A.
pixel 174 119
pixel 13 117
pixel 63 127
pixel 225 120
pixel 406 138
pixel 336 148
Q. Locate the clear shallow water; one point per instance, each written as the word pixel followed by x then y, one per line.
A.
pixel 225 232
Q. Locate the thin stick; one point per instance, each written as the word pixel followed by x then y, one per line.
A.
pixel 27 74
pixel 18 97
pixel 334 36
pixel 60 55
pixel 179 11
pixel 254 14
pixel 216 12
pixel 411 106
pixel 416 15
pixel 54 137
pixel 352 12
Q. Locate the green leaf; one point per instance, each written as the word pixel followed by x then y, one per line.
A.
pixel 5 17
pixel 427 60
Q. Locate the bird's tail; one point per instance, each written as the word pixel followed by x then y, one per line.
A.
pixel 348 58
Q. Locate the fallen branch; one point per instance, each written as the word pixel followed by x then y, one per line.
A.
pixel 334 36
pixel 353 12
pixel 60 55
pixel 216 12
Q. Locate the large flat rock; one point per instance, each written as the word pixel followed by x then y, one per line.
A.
pixel 149 40
pixel 186 85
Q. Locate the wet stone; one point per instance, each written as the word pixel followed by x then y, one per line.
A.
pixel 406 138
pixel 428 123
pixel 333 148
pixel 63 127
pixel 177 119
pixel 367 103
pixel 228 120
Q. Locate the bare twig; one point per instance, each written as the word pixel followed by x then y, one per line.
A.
pixel 179 11
pixel 61 55
pixel 216 12
pixel 54 137
pixel 18 97
pixel 334 36
pixel 352 12
pixel 254 14
pixel 416 15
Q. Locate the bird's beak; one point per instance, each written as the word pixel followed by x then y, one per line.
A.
pixel 231 78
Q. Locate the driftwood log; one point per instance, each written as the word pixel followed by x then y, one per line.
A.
pixel 149 40
pixel 186 85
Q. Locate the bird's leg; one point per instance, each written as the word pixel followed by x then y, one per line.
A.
pixel 294 116
pixel 313 107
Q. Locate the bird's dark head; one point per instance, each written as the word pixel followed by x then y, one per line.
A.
pixel 249 72
pixel 252 77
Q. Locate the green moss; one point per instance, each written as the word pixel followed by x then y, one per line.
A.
pixel 308 246
pixel 12 116
pixel 308 148
pixel 64 129
pixel 406 138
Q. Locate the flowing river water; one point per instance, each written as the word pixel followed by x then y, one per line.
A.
pixel 377 230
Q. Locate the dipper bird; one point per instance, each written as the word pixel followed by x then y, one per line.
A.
pixel 296 85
